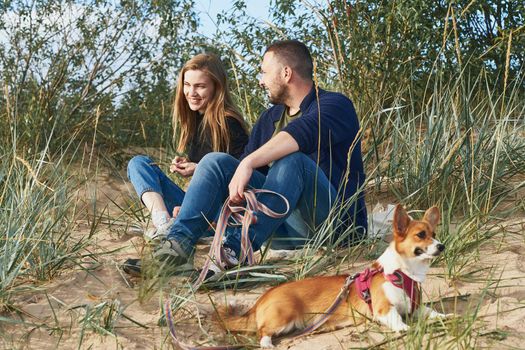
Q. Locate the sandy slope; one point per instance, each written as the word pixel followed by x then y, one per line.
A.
pixel 61 303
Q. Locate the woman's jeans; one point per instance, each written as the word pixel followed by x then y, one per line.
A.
pixel 295 176
pixel 146 176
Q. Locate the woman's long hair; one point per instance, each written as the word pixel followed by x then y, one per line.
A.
pixel 218 108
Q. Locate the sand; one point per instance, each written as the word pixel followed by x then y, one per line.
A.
pixel 54 312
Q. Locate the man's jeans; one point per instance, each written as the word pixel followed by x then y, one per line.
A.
pixel 295 176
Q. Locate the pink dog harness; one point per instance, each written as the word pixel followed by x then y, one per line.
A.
pixel 398 279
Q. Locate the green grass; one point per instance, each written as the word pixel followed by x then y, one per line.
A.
pixel 442 137
pixel 464 151
pixel 37 197
pixel 469 163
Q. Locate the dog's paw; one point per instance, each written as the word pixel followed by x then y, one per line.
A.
pixel 397 325
pixel 400 327
pixel 266 342
pixel 438 315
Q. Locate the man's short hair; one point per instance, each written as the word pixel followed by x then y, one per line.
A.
pixel 295 54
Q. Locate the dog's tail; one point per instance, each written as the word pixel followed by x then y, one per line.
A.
pixel 234 319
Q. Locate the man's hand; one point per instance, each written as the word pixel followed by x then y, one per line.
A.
pixel 277 147
pixel 240 180
pixel 182 166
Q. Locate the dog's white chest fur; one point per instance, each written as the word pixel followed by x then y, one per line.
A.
pixel 398 298
pixel 416 269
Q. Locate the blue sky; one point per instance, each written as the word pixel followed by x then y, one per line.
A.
pixel 208 10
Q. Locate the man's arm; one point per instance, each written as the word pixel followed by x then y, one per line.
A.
pixel 276 148
pixel 334 121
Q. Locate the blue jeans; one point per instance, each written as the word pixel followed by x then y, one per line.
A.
pixel 145 176
pixel 295 176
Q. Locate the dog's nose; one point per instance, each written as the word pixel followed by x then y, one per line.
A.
pixel 441 247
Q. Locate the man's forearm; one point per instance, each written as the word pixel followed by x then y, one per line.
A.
pixel 277 147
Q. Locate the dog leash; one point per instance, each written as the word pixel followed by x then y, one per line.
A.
pixel 183 346
pixel 343 293
pixel 243 216
pixel 363 280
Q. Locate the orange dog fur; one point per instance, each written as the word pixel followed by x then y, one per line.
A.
pixel 295 305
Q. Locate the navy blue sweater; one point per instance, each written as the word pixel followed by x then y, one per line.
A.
pixel 331 120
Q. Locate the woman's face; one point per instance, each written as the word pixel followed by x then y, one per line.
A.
pixel 198 89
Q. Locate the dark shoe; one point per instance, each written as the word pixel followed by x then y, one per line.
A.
pixel 215 272
pixel 135 267
pixel 132 267
pixel 173 257
pixel 233 275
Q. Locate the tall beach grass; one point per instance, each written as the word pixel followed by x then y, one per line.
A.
pixel 432 135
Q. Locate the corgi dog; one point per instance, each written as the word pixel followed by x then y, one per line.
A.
pixel 384 293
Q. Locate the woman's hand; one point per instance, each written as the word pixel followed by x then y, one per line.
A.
pixel 175 211
pixel 183 168
pixel 175 163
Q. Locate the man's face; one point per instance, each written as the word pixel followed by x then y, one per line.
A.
pixel 272 79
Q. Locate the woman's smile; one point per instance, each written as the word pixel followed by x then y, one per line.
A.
pixel 198 90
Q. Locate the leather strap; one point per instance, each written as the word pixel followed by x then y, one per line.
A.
pixel 235 215
pixel 242 216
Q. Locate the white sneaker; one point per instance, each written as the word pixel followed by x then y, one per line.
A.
pixel 159 233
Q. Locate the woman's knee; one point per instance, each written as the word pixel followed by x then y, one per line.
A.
pixel 138 162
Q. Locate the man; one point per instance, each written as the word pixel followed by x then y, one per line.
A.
pixel 305 147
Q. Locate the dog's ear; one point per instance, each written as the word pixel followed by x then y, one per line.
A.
pixel 432 216
pixel 401 221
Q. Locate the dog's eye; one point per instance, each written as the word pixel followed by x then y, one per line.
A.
pixel 421 234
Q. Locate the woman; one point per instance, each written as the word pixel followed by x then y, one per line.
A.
pixel 206 120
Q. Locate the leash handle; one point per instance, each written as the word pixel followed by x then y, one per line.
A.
pixel 245 215
pixel 169 321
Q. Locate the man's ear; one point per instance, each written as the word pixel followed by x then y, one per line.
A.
pixel 432 216
pixel 401 221
pixel 287 73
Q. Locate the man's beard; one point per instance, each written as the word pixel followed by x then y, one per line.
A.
pixel 280 96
